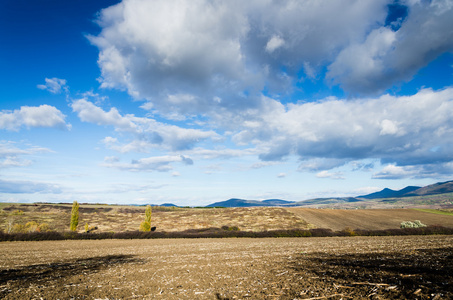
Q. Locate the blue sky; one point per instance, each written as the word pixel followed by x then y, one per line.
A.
pixel 193 102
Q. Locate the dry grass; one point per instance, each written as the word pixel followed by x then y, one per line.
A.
pixel 128 218
pixel 114 218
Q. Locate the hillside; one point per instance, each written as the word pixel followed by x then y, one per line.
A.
pixel 239 203
pixel 128 218
pixel 433 189
pixel 389 193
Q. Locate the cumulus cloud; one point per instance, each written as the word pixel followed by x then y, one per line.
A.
pixel 33 116
pixel 212 62
pixel 156 163
pixel 199 56
pixel 404 130
pixel 54 85
pixel 387 56
pixel 147 133
pixel 394 172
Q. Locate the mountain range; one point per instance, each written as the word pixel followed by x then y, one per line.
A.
pixel 409 191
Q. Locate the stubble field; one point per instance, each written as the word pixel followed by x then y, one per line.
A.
pixel 403 267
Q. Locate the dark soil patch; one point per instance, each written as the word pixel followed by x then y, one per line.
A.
pixel 417 274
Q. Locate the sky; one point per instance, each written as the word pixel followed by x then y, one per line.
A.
pixel 194 102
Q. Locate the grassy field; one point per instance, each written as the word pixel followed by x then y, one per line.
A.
pixel 114 218
pixel 448 212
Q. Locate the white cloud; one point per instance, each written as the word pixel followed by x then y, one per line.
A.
pixel 147 133
pixel 274 43
pixel 438 171
pixel 333 132
pixel 156 163
pixel 394 172
pixel 89 112
pixel 281 175
pixel 54 85
pixel 361 66
pixel 365 190
pixel 184 56
pixel 33 116
pixel 318 164
pixel 12 156
pixel 221 153
pixel 386 56
pixel 388 127
pixel 327 174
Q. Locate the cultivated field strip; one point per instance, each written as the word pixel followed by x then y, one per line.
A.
pixel 235 268
pixel 368 219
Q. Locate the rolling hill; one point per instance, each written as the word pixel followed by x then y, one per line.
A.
pixel 243 203
pixel 395 197
pixel 389 193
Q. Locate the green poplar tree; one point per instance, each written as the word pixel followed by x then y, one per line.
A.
pixel 74 216
pixel 146 225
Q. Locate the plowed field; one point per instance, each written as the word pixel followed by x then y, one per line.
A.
pixel 369 219
pixel 408 267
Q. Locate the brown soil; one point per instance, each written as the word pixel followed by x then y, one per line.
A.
pixel 409 267
pixel 369 219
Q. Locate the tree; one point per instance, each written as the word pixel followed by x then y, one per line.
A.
pixel 146 225
pixel 74 216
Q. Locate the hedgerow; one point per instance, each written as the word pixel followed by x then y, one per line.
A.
pixel 220 233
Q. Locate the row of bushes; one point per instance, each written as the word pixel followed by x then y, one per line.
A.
pixel 220 233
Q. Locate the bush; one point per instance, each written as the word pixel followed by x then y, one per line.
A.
pixel 415 224
pixel 216 233
pixel 348 232
pixel 230 228
pixel 27 228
